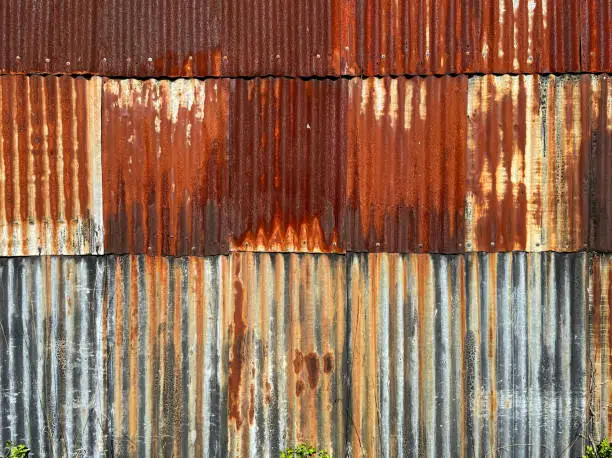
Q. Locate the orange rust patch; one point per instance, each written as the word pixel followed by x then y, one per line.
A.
pixel 252 405
pixel 235 367
pixel 299 388
pixel 328 363
pixel 298 361
pixel 312 365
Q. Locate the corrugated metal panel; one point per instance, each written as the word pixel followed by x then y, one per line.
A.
pixel 406 164
pixel 287 330
pixel 599 373
pixel 287 163
pixel 473 355
pixel 50 172
pixel 596 30
pixel 111 37
pixel 53 354
pixel 528 163
pixel 165 166
pixel 166 385
pixel 600 103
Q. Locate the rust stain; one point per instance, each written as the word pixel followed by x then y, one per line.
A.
pixel 238 349
pixel 328 363
pixel 312 365
pixel 298 361
pixel 299 388
pixel 252 404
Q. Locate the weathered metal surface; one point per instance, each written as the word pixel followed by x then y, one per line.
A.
pixel 472 355
pixel 287 164
pixel 599 372
pixel 596 30
pixel 111 37
pixel 528 162
pixel 50 172
pixel 165 164
pixel 287 328
pixel 600 139
pixel 406 164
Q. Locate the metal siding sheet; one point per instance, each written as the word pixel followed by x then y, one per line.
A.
pixel 468 355
pixel 406 164
pixel 528 163
pixel 50 171
pixel 600 139
pixel 165 156
pixel 286 342
pixel 287 163
pixel 596 29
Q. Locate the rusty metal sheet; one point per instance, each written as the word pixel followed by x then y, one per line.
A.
pixel 287 164
pixel 467 355
pixel 111 37
pixel 596 30
pixel 50 170
pixel 165 166
pixel 528 163
pixel 600 140
pixel 600 346
pixel 287 347
pixel 406 164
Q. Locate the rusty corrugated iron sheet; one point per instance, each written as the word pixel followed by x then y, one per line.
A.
pixel 528 162
pixel 304 38
pixel 406 164
pixel 287 164
pixel 600 138
pixel 50 187
pixel 471 355
pixel 165 158
pixel 600 344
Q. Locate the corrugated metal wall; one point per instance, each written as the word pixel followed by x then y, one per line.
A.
pixel 230 226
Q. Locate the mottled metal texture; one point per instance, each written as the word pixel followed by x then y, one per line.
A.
pixel 600 347
pixel 596 30
pixel 50 187
pixel 53 354
pixel 287 328
pixel 111 37
pixel 528 163
pixel 166 385
pixel 287 164
pixel 461 36
pixel 406 164
pixel 600 138
pixel 165 174
pixel 470 355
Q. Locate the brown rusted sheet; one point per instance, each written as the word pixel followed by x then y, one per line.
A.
pixel 287 164
pixel 50 175
pixel 596 30
pixel 600 140
pixel 406 164
pixel 528 163
pixel 287 331
pixel 165 166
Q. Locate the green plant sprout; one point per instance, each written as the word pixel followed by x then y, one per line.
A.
pixel 12 450
pixel 303 450
pixel 604 450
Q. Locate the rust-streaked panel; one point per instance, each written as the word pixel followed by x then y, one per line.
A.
pixel 111 37
pixel 596 30
pixel 287 164
pixel 528 163
pixel 600 140
pixel 406 164
pixel 467 355
pixel 165 166
pixel 460 36
pixel 286 340
pixel 50 172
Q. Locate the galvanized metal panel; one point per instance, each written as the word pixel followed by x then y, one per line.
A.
pixel 600 347
pixel 287 331
pixel 600 140
pixel 287 164
pixel 528 162
pixel 165 166
pixel 50 171
pixel 596 30
pixel 472 355
pixel 166 386
pixel 406 164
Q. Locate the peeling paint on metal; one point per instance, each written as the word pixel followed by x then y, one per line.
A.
pixel 50 166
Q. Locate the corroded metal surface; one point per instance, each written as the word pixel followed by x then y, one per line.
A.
pixel 472 355
pixel 287 164
pixel 50 187
pixel 596 30
pixel 165 166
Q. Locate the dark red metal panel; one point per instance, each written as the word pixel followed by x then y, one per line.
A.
pixel 165 166
pixel 287 164
pixel 596 35
pixel 406 164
